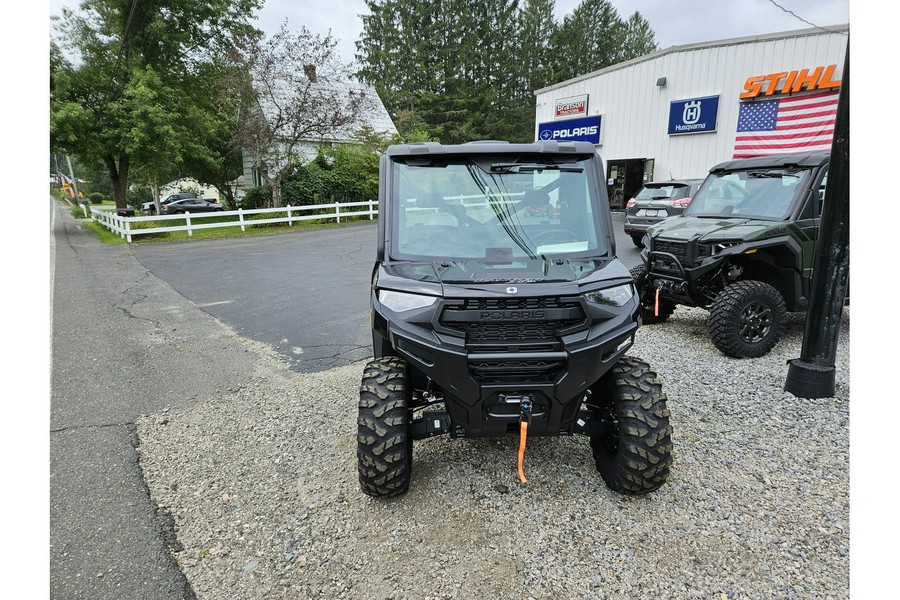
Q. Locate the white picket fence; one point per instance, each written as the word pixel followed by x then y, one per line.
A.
pixel 124 226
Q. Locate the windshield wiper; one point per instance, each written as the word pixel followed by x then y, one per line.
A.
pixel 501 211
pixel 523 168
pixel 769 174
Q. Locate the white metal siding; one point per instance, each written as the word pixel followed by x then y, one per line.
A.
pixel 636 112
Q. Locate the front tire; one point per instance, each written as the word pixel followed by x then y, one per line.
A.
pixel 384 443
pixel 634 451
pixel 647 296
pixel 636 240
pixel 747 318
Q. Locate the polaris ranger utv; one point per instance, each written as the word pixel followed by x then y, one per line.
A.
pixel 499 308
pixel 743 249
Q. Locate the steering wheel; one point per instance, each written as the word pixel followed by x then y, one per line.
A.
pixel 554 236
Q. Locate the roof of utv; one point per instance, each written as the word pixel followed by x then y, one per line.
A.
pixel 490 147
pixel 774 161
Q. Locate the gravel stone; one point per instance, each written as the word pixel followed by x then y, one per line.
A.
pixel 261 482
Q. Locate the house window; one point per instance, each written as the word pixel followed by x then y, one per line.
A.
pixel 257 178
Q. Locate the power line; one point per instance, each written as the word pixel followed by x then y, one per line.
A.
pixel 796 16
pixel 792 13
pixel 125 36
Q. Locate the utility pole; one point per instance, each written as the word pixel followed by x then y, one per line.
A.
pixel 813 374
pixel 56 175
pixel 72 175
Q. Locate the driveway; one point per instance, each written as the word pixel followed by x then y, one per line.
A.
pixel 306 294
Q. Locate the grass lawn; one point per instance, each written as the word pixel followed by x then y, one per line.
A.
pixel 103 234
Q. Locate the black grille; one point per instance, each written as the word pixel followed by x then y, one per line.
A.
pixel 677 249
pixel 520 326
pixel 517 371
pixel 515 304
pixel 509 331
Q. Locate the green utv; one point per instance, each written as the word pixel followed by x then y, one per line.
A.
pixel 499 308
pixel 743 249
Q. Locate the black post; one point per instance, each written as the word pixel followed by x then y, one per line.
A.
pixel 812 375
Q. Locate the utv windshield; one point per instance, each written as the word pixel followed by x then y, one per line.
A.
pixel 767 194
pixel 495 211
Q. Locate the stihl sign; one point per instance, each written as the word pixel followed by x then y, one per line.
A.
pixel 789 82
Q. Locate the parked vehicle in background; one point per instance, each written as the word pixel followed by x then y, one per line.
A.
pixel 743 250
pixel 150 207
pixel 193 205
pixel 657 201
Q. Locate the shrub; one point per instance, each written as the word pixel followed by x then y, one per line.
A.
pixel 96 198
pixel 258 197
pixel 77 212
pixel 308 185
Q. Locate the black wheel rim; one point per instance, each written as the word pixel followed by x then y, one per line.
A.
pixel 755 322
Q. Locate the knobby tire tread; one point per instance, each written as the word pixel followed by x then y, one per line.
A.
pixel 642 459
pixel 384 445
pixel 725 314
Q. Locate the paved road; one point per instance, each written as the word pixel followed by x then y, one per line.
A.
pixel 123 344
pixel 305 293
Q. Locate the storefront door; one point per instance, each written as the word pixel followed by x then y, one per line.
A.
pixel 625 177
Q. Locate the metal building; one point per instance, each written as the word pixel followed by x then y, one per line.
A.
pixel 679 111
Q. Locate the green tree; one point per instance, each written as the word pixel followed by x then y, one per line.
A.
pixel 213 157
pixel 639 38
pixel 534 65
pixel 128 100
pixel 468 69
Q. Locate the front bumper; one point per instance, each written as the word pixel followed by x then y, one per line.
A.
pixel 485 381
pixel 680 274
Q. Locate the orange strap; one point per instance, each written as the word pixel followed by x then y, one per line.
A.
pixel 523 434
pixel 656 304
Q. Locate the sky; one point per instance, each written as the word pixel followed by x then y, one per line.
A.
pixel 673 22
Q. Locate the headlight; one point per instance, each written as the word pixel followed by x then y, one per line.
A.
pixel 614 296
pixel 713 249
pixel 400 302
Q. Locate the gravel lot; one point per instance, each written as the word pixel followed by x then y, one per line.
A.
pixel 261 484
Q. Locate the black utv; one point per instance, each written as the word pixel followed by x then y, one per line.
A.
pixel 499 308
pixel 743 249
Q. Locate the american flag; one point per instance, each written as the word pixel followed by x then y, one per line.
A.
pixel 797 124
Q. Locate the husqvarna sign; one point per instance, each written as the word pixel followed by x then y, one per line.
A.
pixel 695 115
pixel 585 129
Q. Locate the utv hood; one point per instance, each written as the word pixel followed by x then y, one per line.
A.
pixel 710 229
pixel 433 277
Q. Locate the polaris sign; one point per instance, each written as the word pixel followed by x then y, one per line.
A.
pixel 696 115
pixel 586 129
